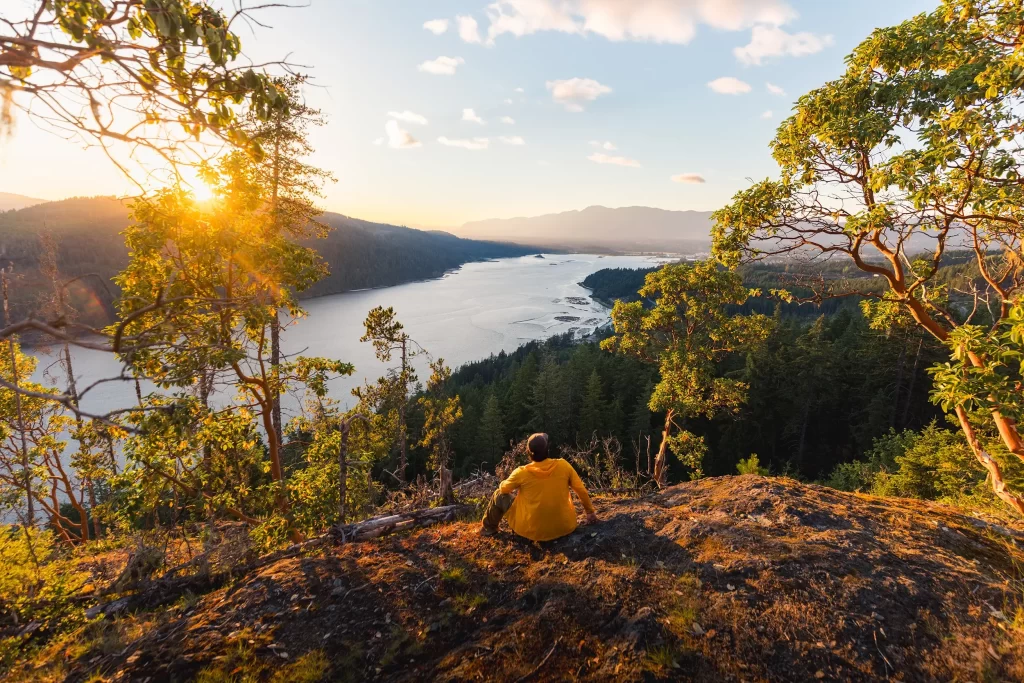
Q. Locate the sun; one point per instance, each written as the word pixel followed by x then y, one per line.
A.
pixel 201 191
pixel 191 180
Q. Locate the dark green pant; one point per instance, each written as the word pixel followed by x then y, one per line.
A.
pixel 496 509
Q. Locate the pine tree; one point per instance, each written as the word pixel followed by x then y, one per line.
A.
pixel 520 396
pixel 640 419
pixel 549 402
pixel 593 413
pixel 491 435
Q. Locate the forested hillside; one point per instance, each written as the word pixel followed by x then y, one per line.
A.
pixel 87 234
pixel 821 391
pixel 622 284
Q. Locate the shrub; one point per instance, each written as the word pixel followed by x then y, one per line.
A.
pixel 934 464
pixel 751 465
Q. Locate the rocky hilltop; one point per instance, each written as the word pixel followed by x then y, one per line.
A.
pixel 732 578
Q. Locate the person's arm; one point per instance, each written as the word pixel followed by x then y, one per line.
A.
pixel 513 482
pixel 576 484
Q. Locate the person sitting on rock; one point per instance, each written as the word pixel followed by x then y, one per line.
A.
pixel 543 510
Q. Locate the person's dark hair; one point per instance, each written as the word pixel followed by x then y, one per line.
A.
pixel 537 445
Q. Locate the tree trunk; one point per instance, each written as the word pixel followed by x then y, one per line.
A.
pixel 275 322
pixel 111 453
pixel 661 461
pixel 275 362
pixel 402 437
pixel 913 378
pixel 445 477
pixel 803 432
pixel 276 468
pixel 901 363
pixel 1007 427
pixel 343 472
pixel 30 511
pixel 91 489
pixel 989 463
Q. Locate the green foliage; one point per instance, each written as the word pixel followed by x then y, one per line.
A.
pixel 441 412
pixel 751 465
pixel 593 410
pixel 243 665
pixel 172 59
pixel 949 80
pixel 933 464
pixel 491 440
pixel 621 284
pixel 818 395
pixel 38 580
pixel 202 296
pixel 996 384
pixel 686 334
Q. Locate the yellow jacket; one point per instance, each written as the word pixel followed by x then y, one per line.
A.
pixel 543 509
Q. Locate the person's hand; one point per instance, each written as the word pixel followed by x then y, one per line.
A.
pixel 591 518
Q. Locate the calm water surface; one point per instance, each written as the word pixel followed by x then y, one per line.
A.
pixel 469 314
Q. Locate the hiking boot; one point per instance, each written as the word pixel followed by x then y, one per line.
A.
pixel 484 531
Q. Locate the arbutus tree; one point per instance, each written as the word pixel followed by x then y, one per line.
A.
pixel 913 153
pixel 687 332
pixel 132 74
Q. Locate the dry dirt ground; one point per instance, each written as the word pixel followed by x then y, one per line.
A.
pixel 726 579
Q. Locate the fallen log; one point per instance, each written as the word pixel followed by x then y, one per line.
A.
pixel 381 526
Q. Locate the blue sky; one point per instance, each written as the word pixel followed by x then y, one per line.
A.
pixel 569 73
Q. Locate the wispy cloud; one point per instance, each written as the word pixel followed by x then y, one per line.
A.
pixel 442 66
pixel 689 179
pixel 408 117
pixel 773 41
pixel 512 140
pixel 473 144
pixel 469 30
pixel 727 85
pixel 471 116
pixel 398 137
pixel 508 120
pixel 573 93
pixel 436 26
pixel 607 146
pixel 660 21
pixel 767 114
pixel 774 89
pixel 602 158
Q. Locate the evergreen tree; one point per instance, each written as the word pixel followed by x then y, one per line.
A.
pixel 491 434
pixel 520 396
pixel 549 406
pixel 593 413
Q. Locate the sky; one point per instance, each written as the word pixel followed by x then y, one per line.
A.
pixel 447 111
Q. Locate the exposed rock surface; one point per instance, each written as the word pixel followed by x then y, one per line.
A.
pixel 735 578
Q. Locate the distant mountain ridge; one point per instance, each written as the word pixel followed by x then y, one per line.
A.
pixel 360 254
pixel 632 228
pixel 12 202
